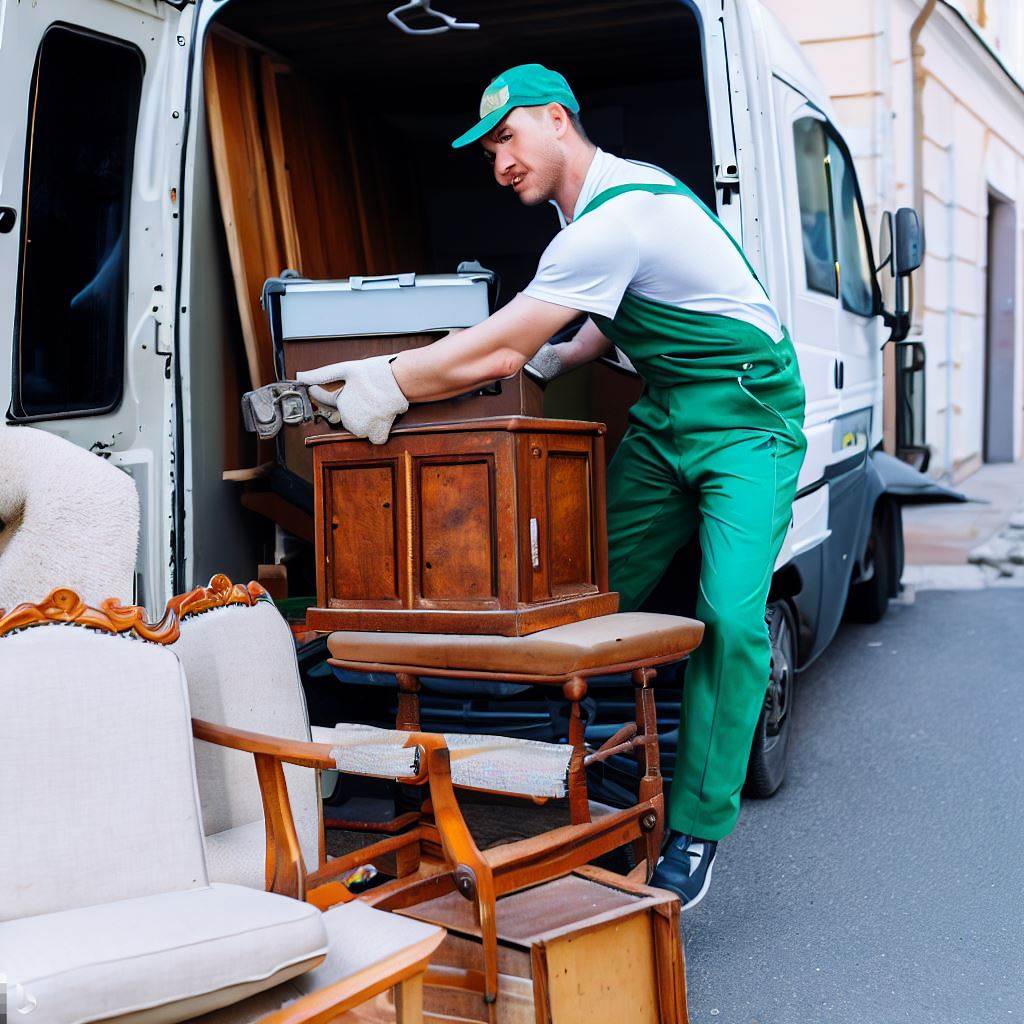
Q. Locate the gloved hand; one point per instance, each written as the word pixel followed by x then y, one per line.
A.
pixel 547 363
pixel 368 402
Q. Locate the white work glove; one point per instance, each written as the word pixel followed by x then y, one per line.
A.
pixel 370 399
pixel 547 363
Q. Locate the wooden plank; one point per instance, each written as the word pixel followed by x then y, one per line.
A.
pixel 270 70
pixel 243 186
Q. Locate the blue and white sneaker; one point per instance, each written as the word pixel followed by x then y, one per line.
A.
pixel 684 867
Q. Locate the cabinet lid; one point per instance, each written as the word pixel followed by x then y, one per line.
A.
pixel 512 424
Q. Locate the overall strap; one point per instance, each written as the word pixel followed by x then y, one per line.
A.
pixel 678 188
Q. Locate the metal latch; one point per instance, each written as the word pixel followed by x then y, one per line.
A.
pixel 267 409
pixel 728 181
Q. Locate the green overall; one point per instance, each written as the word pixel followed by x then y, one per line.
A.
pixel 715 444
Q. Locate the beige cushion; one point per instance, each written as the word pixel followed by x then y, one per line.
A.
pixel 71 520
pixel 359 937
pixel 497 763
pixel 173 955
pixel 241 670
pixel 558 652
pixel 109 716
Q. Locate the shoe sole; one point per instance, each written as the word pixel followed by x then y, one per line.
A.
pixel 702 892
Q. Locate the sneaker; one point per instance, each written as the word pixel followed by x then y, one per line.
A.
pixel 685 867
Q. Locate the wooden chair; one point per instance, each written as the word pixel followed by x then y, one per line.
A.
pixel 106 908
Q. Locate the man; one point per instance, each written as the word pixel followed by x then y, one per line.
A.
pixel 715 443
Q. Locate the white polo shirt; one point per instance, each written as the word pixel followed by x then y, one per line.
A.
pixel 660 247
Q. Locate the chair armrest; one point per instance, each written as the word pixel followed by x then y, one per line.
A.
pixel 329 1003
pixel 307 753
pixel 301 752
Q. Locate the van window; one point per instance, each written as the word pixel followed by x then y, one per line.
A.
pixel 70 327
pixel 816 221
pixel 856 276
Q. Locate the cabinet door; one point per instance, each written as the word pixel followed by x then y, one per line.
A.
pixel 364 527
pixel 462 544
pixel 557 517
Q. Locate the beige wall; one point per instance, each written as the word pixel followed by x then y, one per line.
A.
pixel 973 127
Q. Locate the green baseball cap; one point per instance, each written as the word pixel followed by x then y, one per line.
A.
pixel 526 85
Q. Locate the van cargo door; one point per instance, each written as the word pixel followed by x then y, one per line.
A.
pixel 88 166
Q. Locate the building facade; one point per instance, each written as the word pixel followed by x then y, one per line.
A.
pixel 930 97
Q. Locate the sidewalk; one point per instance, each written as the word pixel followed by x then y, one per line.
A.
pixel 975 544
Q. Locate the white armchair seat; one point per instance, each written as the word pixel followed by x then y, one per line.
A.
pixel 360 938
pixel 159 958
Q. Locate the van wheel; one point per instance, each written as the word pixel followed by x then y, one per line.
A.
pixel 769 751
pixel 868 601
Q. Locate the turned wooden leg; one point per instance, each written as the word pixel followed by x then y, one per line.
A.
pixel 408 719
pixel 648 757
pixel 579 806
pixel 409 1000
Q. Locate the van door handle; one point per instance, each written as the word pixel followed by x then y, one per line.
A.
pixel 8 215
pixel 840 374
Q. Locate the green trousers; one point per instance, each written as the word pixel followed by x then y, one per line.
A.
pixel 673 475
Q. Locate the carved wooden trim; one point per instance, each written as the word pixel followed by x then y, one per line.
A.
pixel 65 606
pixel 219 593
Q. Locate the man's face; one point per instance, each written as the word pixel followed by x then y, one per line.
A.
pixel 526 152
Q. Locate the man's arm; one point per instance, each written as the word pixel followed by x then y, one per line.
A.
pixel 552 361
pixel 498 347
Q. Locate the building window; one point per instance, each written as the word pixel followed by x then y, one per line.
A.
pixel 71 318
pixel 816 221
pixel 856 275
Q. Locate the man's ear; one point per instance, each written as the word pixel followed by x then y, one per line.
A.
pixel 559 117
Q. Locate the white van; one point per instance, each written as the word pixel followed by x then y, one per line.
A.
pixel 116 289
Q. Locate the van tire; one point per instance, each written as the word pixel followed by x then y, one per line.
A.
pixel 769 750
pixel 868 601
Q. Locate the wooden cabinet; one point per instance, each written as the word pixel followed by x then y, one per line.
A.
pixel 483 526
pixel 585 948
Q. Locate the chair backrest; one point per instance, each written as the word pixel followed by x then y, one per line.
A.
pixel 98 797
pixel 240 664
pixel 69 520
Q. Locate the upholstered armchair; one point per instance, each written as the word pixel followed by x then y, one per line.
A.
pixel 66 516
pixel 107 907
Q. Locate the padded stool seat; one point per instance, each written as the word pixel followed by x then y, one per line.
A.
pixel 575 649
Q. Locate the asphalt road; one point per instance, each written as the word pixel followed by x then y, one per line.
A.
pixel 885 881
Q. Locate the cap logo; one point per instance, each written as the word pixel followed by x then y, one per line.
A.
pixel 491 101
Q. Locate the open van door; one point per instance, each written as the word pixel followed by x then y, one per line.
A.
pixel 89 140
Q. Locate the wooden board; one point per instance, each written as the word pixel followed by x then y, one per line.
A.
pixel 243 185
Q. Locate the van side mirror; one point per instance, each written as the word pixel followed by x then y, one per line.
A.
pixel 909 242
pixel 901 250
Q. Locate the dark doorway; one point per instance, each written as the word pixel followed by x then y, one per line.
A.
pixel 999 330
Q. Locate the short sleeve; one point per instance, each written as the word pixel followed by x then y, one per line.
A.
pixel 588 265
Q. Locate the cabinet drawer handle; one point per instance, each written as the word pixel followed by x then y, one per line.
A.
pixel 534 544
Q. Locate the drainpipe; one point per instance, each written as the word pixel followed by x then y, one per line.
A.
pixel 917 86
pixel 951 291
